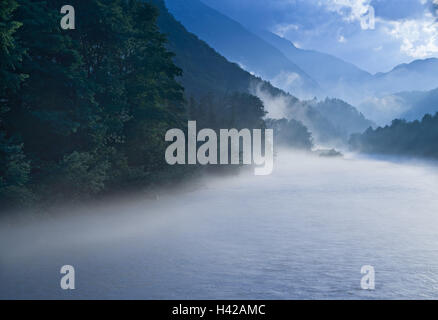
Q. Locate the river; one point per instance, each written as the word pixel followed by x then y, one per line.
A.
pixel 303 232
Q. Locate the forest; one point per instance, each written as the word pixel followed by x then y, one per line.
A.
pixel 84 112
pixel 401 138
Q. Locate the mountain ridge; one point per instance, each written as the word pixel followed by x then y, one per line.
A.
pixel 205 69
pixel 241 46
pixel 410 65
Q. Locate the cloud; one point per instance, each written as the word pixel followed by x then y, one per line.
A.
pixel 342 39
pixel 350 10
pixel 383 110
pixel 434 8
pixel 419 38
pixel 404 29
pixel 287 80
pixel 282 29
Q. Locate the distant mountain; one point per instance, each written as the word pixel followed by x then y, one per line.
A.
pixel 343 116
pixel 408 105
pixel 206 72
pixel 243 47
pixel 344 80
pixel 418 75
pixel 336 77
pixel 421 103
pixel 303 73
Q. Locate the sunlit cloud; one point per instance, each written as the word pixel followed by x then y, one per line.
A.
pixel 419 38
pixel 342 39
pixel 350 10
pixel 282 29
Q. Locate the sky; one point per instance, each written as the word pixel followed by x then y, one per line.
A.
pixel 403 30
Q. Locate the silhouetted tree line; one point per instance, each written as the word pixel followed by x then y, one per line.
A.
pixel 413 139
pixel 83 111
pixel 217 111
pixel 291 134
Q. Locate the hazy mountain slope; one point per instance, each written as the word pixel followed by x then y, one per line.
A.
pixel 343 116
pixel 409 105
pixel 335 76
pixel 344 80
pixel 241 46
pixel 421 103
pixel 417 75
pixel 206 71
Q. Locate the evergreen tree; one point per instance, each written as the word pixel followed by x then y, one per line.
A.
pixel 54 112
pixel 413 139
pixel 84 111
pixel 14 167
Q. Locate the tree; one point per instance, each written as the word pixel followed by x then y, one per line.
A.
pixel 413 139
pixel 291 134
pixel 85 111
pixel 14 167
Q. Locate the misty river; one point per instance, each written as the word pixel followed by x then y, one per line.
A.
pixel 303 232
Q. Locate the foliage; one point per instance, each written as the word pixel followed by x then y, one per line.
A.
pixel 413 139
pixel 84 111
pixel 291 134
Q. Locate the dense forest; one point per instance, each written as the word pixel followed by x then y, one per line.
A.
pixel 290 134
pixel 412 139
pixel 83 112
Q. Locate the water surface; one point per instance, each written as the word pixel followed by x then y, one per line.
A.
pixel 302 233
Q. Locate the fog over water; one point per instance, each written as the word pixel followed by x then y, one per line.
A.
pixel 303 232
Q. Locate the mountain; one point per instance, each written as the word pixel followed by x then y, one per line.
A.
pixel 344 80
pixel 206 72
pixel 409 105
pixel 343 116
pixel 336 77
pixel 418 75
pixel 304 73
pixel 243 47
pixel 421 103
